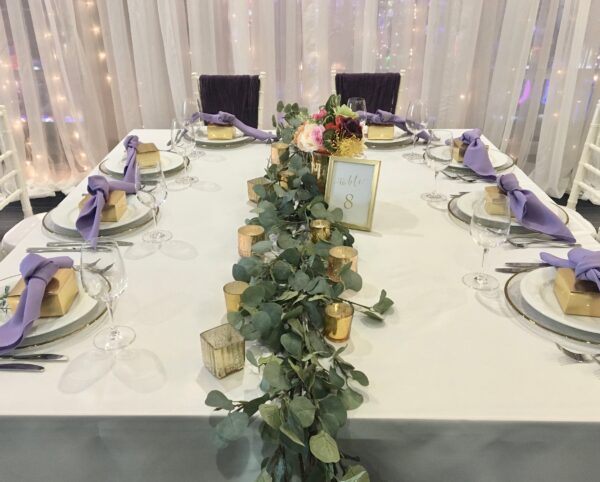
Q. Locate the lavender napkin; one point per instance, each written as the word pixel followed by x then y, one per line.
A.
pixel 586 263
pixel 88 222
pixel 226 119
pixel 381 117
pixel 531 212
pixel 37 271
pixel 476 155
pixel 130 143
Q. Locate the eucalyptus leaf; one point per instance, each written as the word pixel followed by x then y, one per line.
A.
pixel 291 255
pixel 251 358
pixel 351 399
pixel 235 319
pixel 275 376
pixel 232 427
pixel 304 410
pixel 292 344
pixel 251 407
pixel 217 399
pixel 281 271
pixel 253 295
pixel 351 279
pixel 360 377
pixel 299 281
pixel 333 405
pixel 239 273
pixel 292 433
pixel 262 247
pixel 271 414
pixel 324 448
pixel 262 322
pixel 356 473
pixel 264 477
pixel 383 304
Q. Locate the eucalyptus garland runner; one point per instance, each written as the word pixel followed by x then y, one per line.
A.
pixel 308 386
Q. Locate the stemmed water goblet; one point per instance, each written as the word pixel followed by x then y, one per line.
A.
pixel 438 154
pixel 191 125
pixel 359 106
pixel 417 119
pixel 104 279
pixel 489 228
pixel 151 191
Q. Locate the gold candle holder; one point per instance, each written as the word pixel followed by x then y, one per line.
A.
pixel 247 236
pixel 233 295
pixel 338 258
pixel 338 321
pixel 320 229
pixel 252 196
pixel 284 178
pixel 223 350
pixel 277 150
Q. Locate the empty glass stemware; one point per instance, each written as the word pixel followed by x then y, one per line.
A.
pixel 192 126
pixel 182 146
pixel 358 105
pixel 151 191
pixel 417 119
pixel 489 228
pixel 104 279
pixel 438 154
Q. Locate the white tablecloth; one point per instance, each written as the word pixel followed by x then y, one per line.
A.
pixel 459 391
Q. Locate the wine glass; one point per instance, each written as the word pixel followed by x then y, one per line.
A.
pixel 358 105
pixel 488 230
pixel 103 278
pixel 417 118
pixel 151 191
pixel 190 107
pixel 182 144
pixel 438 153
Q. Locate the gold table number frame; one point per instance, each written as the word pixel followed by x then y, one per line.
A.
pixel 352 187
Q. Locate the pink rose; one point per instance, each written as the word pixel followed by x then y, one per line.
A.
pixel 319 115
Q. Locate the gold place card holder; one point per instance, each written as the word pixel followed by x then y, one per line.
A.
pixel 339 257
pixel 338 321
pixel 223 350
pixel 248 235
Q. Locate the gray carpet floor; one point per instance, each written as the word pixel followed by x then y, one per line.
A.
pixel 12 214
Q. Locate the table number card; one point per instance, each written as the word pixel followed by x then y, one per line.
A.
pixel 352 187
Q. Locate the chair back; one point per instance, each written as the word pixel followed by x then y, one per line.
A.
pixel 380 90
pixel 240 95
pixel 588 174
pixel 11 175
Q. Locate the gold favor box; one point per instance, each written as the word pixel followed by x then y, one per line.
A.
pixel 252 196
pixel 380 132
pixel 115 206
pixel 459 149
pixel 147 155
pixel 58 298
pixel 277 150
pixel 219 133
pixel 576 297
pixel 495 201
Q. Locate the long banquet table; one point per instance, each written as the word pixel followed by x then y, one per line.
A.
pixel 459 391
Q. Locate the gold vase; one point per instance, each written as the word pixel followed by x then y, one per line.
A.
pixel 223 350
pixel 319 165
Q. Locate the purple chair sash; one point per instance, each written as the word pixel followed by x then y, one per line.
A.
pixel 37 272
pixel 531 212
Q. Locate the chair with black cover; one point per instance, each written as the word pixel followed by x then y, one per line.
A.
pixel 380 90
pixel 240 95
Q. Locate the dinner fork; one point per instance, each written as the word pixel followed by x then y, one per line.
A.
pixel 578 357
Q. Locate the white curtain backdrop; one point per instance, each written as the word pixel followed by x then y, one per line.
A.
pixel 77 75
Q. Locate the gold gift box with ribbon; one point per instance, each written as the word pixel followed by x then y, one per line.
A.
pixel 58 297
pixel 459 148
pixel 148 155
pixel 576 297
pixel 219 133
pixel 380 132
pixel 114 208
pixel 495 201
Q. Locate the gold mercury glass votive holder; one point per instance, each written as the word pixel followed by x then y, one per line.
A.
pixel 223 350
pixel 252 196
pixel 233 295
pixel 338 321
pixel 247 236
pixel 338 258
pixel 277 150
pixel 320 229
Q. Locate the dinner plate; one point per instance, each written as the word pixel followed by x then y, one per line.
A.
pixel 171 164
pixel 83 312
pixel 465 205
pixel 61 220
pixel 401 139
pixel 573 339
pixel 537 288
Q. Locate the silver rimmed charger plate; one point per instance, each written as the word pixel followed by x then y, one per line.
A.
pixel 83 313
pixel 573 339
pixel 105 167
pixel 224 144
pixel 459 215
pixel 465 171
pixel 401 141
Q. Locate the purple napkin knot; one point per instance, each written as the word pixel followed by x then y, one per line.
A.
pixel 99 188
pixel 227 119
pixel 130 143
pixel 476 155
pixel 37 272
pixel 382 117
pixel 531 212
pixel 585 262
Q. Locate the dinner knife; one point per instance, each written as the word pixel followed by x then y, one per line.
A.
pixel 21 367
pixel 66 244
pixel 37 356
pixel 55 249
pixel 526 265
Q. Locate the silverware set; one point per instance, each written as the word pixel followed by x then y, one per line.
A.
pixel 68 246
pixel 538 241
pixel 462 177
pixel 18 363
pixel 519 267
